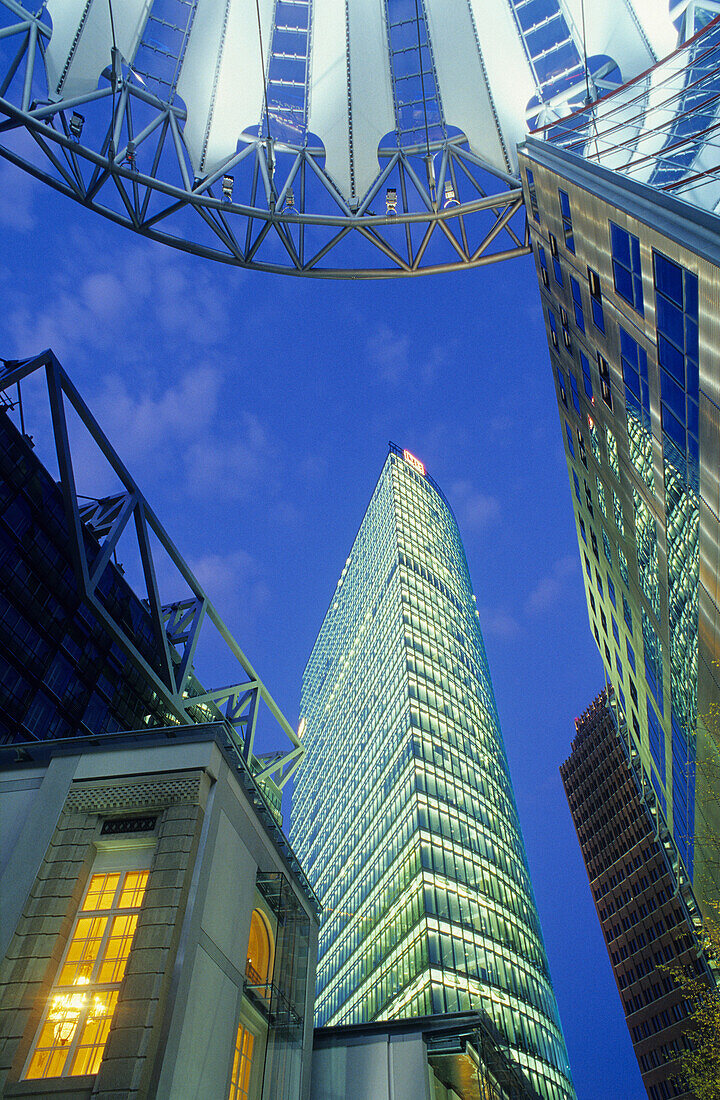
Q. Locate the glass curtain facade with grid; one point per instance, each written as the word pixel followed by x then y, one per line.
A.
pixel 403 815
pixel 648 520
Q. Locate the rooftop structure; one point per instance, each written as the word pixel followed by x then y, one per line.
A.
pixel 661 128
pixel 84 653
pixel 371 140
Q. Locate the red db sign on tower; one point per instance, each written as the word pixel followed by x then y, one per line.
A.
pixel 414 462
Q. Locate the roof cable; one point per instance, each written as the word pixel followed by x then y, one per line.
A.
pixel 429 165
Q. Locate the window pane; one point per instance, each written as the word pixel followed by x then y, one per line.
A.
pixel 668 278
pixel 620 244
pixel 89 1052
pixel 83 951
pixel 80 1008
pixel 242 1065
pixel 670 321
pixel 101 892
pixel 133 889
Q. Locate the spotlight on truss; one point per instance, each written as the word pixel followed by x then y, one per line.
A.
pixel 451 198
pixel 206 97
pixel 75 125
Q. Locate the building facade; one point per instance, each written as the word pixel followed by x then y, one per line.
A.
pixel 630 289
pixel 403 812
pixel 157 939
pixel 648 918
pixel 453 1056
pixel 157 934
pixel 62 672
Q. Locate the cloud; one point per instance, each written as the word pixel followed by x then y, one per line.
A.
pixel 498 622
pixel 140 423
pixel 234 583
pixel 549 589
pixel 180 435
pixel 476 510
pixel 17 199
pixel 392 354
pixel 230 469
pixel 93 306
pixel 389 352
pixel 287 514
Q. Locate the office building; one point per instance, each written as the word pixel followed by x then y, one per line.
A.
pixel 629 283
pixel 403 812
pixel 157 934
pixel 649 918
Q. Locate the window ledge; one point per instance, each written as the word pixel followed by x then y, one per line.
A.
pixel 73 1088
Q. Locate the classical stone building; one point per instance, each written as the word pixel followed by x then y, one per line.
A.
pixel 158 936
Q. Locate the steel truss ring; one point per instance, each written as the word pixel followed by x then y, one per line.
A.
pixel 137 173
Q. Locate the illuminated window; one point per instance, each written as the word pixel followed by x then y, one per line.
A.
pixel 553 329
pixel 76 1022
pixel 557 270
pixel 598 314
pixel 543 265
pixel 259 956
pixel 604 372
pixel 578 305
pixel 532 192
pixel 242 1064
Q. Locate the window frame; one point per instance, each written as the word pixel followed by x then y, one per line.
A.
pixel 115 856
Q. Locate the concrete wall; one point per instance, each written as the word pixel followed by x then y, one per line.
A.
pixel 174 1028
pixel 389 1067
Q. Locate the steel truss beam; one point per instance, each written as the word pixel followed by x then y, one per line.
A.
pixel 178 625
pixel 129 162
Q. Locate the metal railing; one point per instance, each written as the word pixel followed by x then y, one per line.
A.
pixel 662 128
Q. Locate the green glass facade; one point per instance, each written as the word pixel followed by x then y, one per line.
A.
pixel 403 814
pixel 632 323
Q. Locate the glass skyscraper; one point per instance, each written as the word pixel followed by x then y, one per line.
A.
pixel 403 815
pixel 629 279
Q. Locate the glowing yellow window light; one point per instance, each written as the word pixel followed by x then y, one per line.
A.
pixel 72 1036
pixel 259 956
pixel 242 1065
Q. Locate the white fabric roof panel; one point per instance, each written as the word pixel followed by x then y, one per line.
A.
pixel 656 21
pixel 511 80
pixel 484 78
pixel 458 66
pixel 81 43
pixel 635 33
pixel 350 92
pixel 221 80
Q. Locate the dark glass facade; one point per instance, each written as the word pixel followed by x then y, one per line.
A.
pixel 61 673
pixel 648 921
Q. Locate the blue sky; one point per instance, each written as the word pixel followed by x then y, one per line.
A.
pixel 255 413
